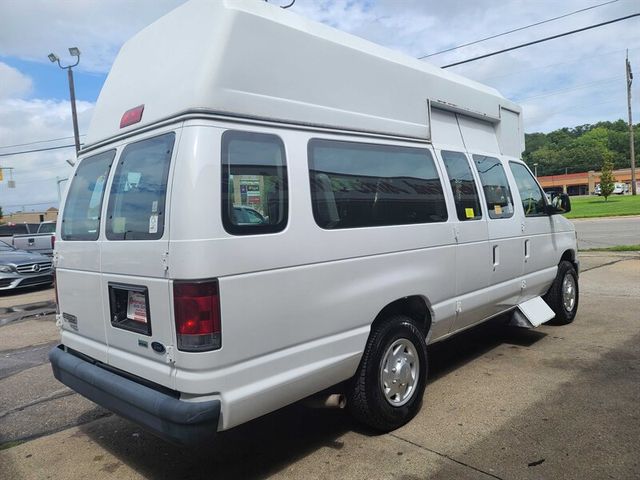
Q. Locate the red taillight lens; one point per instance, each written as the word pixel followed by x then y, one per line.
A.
pixel 131 116
pixel 197 313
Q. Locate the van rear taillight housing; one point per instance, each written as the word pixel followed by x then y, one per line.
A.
pixel 197 313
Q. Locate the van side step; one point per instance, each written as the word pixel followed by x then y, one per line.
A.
pixel 531 313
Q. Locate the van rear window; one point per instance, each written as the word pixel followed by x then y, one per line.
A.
pixel 138 192
pixel 366 185
pixel 81 216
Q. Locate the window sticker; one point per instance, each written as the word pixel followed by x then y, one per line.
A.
pixel 469 212
pixel 154 206
pixel 498 209
pixel 119 224
pixel 153 224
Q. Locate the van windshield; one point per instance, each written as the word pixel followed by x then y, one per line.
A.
pixel 137 197
pixel 81 217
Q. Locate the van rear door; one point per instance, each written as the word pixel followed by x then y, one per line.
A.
pixel 78 257
pixel 135 291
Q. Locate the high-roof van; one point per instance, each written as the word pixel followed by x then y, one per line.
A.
pixel 267 208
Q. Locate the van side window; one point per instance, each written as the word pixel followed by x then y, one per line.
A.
pixel 254 183
pixel 533 201
pixel 138 192
pixel 82 210
pixel 463 186
pixel 364 185
pixel 495 186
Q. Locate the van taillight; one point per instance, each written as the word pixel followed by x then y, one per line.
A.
pixel 197 313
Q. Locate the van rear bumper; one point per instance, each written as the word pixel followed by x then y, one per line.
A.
pixel 180 422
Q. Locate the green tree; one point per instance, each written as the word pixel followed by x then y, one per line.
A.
pixel 606 178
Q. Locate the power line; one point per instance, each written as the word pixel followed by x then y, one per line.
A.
pixel 540 40
pixel 30 204
pixel 569 62
pixel 36 150
pixel 39 141
pixel 516 30
pixel 570 89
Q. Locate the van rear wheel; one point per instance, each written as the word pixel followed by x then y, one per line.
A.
pixel 387 389
pixel 563 295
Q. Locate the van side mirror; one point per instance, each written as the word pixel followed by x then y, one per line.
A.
pixel 560 203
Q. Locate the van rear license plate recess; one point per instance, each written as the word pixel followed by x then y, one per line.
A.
pixel 129 307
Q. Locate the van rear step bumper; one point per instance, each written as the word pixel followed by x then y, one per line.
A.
pixel 177 421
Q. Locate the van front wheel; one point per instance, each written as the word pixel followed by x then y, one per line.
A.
pixel 563 295
pixel 387 389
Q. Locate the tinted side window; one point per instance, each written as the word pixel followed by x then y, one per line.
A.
pixel 81 217
pixel 364 185
pixel 47 228
pixel 463 185
pixel 533 201
pixel 495 186
pixel 138 192
pixel 254 183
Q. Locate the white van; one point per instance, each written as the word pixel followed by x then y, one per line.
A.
pixel 266 208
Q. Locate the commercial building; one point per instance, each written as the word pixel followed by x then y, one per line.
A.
pixel 49 215
pixel 583 183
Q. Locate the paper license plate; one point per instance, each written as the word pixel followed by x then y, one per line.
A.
pixel 137 307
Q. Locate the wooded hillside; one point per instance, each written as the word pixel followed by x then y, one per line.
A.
pixel 581 148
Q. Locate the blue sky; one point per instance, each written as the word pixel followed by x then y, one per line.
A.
pixel 49 81
pixel 562 83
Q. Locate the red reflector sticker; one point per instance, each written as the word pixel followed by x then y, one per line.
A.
pixel 132 116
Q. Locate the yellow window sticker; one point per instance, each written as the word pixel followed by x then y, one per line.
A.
pixel 498 209
pixel 469 212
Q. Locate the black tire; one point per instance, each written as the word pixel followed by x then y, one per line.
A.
pixel 554 297
pixel 366 399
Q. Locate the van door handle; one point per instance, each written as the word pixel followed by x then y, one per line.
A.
pixel 496 256
pixel 527 249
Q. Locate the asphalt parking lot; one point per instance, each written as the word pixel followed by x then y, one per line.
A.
pixel 555 402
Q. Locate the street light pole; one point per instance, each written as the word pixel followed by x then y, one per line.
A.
pixel 74 51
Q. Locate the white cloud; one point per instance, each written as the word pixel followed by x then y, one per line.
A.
pixel 31 29
pixel 26 121
pixel 13 83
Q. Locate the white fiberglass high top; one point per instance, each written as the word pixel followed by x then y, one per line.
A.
pixel 199 57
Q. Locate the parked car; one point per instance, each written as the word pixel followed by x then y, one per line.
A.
pixel 43 241
pixel 20 269
pixel 247 215
pixel 618 189
pixel 396 213
pixel 11 229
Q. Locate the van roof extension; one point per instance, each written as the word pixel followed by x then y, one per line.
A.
pixel 250 59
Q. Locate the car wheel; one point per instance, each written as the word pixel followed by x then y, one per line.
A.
pixel 563 295
pixel 387 389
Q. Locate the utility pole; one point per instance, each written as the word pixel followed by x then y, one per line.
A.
pixel 631 142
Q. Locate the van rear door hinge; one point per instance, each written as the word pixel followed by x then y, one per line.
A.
pixel 170 358
pixel 165 261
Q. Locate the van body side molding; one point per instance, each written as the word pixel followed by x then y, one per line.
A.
pixel 179 422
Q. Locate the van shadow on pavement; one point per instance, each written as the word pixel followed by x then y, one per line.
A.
pixel 269 444
pixel 588 427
